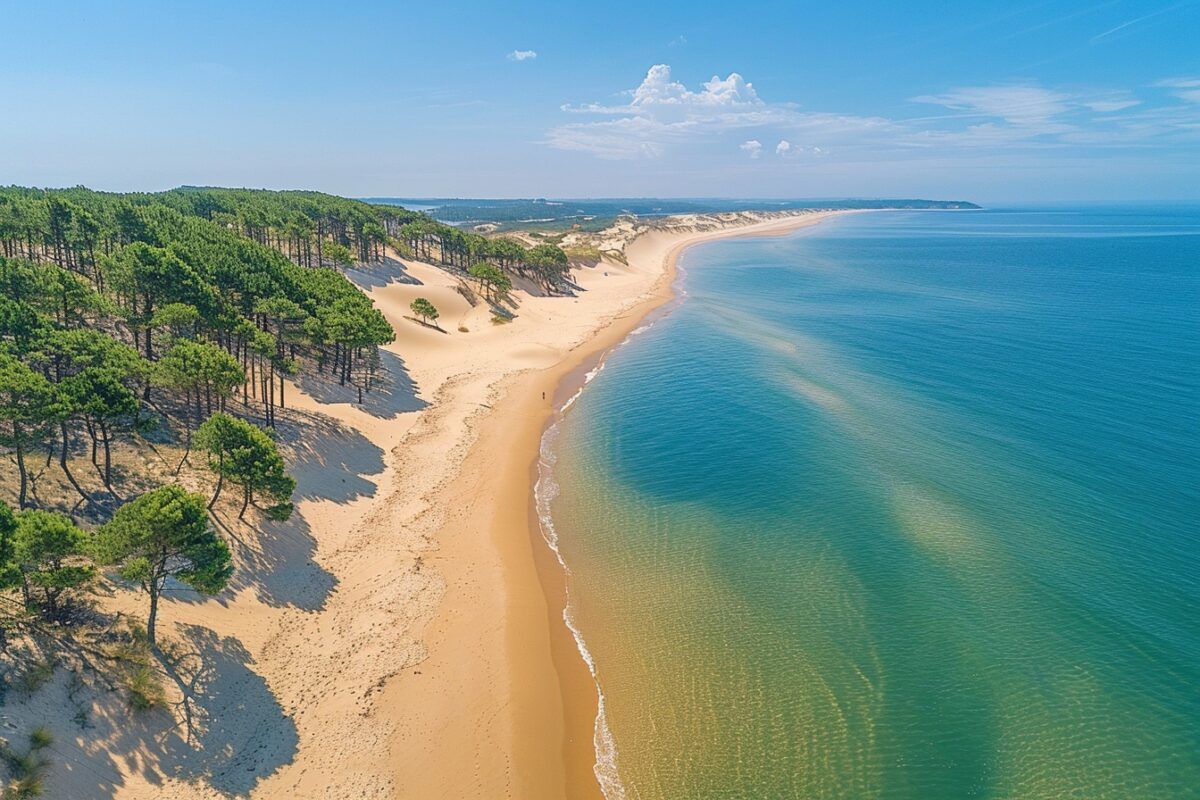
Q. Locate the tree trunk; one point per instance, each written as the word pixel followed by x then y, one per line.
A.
pixel 245 503
pixel 62 461
pixel 187 451
pixel 51 603
pixel 262 377
pixel 220 481
pixel 107 459
pixel 149 339
pixel 21 497
pixel 91 431
pixel 153 587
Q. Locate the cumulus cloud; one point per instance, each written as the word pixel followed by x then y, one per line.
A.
pixel 659 92
pixel 752 146
pixel 787 150
pixel 661 112
pixel 522 55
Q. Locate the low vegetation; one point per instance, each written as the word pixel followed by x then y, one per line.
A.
pixel 26 772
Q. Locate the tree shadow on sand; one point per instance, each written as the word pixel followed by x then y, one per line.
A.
pixel 379 274
pixel 233 733
pixel 330 461
pixel 275 559
pixel 394 393
pixel 223 727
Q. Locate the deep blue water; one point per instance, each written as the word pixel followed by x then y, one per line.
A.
pixel 905 505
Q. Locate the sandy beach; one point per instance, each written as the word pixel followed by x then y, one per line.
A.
pixel 402 636
pixel 504 680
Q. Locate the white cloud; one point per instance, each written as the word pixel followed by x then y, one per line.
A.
pixel 659 93
pixel 522 55
pixel 630 137
pixel 1022 106
pixel 1109 105
pixel 661 112
pixel 1030 116
pixel 662 115
pixel 787 150
pixel 1186 89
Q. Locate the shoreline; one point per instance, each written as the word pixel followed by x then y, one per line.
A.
pixel 545 686
pixel 552 570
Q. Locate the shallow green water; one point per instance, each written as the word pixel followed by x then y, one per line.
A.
pixel 904 506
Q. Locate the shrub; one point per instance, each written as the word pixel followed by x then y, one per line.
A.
pixel 145 689
pixel 40 738
pixel 35 676
pixel 26 771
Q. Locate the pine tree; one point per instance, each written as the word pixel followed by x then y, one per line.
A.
pixel 425 310
pixel 47 548
pixel 164 534
pixel 28 411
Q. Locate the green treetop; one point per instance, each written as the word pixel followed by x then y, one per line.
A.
pixel 180 320
pixel 164 534
pixel 46 548
pixel 28 411
pixel 492 280
pixel 550 264
pixel 204 373
pixel 245 455
pixel 425 310
pixel 95 376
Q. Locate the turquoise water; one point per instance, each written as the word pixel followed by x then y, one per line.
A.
pixel 903 506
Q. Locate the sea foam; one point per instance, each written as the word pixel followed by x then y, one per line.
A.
pixel 545 490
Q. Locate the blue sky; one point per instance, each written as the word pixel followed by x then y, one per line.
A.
pixel 992 101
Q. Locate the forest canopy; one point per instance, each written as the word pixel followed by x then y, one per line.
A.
pixel 115 308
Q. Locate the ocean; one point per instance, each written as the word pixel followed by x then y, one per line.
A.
pixel 904 505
